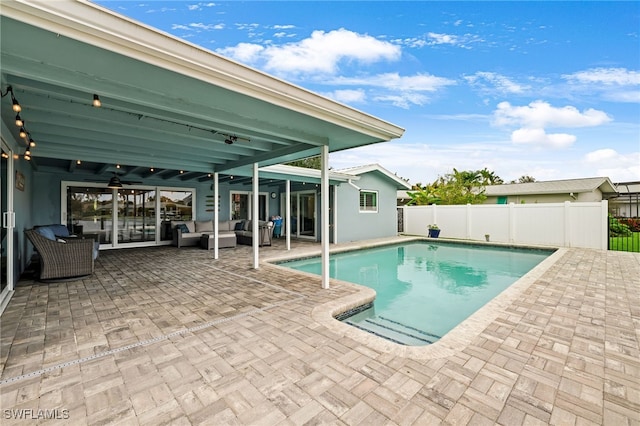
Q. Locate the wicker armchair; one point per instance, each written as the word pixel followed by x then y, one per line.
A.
pixel 58 260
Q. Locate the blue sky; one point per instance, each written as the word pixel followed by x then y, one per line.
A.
pixel 546 89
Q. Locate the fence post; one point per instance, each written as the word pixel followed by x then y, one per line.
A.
pixel 605 224
pixel 468 212
pixel 567 224
pixel 435 214
pixel 512 223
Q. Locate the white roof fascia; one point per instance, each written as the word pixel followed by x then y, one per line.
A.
pixel 306 172
pixel 376 168
pixel 98 26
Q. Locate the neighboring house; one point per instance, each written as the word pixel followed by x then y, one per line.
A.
pixel 553 191
pixel 627 202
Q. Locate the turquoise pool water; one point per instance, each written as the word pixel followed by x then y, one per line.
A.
pixel 425 289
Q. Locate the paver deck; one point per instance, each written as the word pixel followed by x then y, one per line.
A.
pixel 164 335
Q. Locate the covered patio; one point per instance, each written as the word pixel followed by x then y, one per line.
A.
pixel 92 99
pixel 217 342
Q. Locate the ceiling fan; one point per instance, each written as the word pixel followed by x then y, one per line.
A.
pixel 116 183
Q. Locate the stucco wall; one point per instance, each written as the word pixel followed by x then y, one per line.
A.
pixel 353 225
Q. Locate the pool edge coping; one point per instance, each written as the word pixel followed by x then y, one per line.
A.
pixel 454 341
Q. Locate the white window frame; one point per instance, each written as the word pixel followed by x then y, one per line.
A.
pixel 365 192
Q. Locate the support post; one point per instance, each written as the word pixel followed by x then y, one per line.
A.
pixel 324 203
pixel 254 216
pixel 216 218
pixel 287 209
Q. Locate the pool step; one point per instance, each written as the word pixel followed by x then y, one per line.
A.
pixel 394 331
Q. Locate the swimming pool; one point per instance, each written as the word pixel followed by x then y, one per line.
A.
pixel 424 289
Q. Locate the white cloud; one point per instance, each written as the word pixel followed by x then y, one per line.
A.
pixel 418 82
pixel 601 155
pixel 283 27
pixel 322 52
pixel 490 82
pixel 609 76
pixel 400 91
pixel 540 114
pixel 348 96
pixel 613 84
pixel 243 52
pixel 442 38
pixel 538 136
pixel 403 100
pixel 438 39
pixel 199 6
pixel 534 118
pixel 618 167
pixel 197 26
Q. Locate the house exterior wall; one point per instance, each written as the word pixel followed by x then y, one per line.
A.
pixel 353 225
pixel 47 197
pixel 583 197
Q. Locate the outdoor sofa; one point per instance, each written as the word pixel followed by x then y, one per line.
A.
pixel 230 232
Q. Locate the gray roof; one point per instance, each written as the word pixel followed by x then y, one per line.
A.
pixel 625 188
pixel 552 187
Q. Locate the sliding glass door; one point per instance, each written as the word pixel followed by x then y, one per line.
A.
pixel 126 216
pixel 6 206
pixel 303 214
pixel 241 203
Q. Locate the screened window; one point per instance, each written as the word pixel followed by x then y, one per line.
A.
pixel 368 201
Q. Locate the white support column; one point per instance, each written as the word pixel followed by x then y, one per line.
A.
pixel 335 215
pixel 287 210
pixel 324 204
pixel 254 216
pixel 216 217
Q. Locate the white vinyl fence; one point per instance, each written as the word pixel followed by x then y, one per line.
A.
pixel 548 224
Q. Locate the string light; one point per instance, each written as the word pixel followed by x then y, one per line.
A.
pixel 20 123
pixel 96 101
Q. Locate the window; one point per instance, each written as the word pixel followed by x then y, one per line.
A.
pixel 369 201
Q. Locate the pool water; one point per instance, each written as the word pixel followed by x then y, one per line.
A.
pixel 425 289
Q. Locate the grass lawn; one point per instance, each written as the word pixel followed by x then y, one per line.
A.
pixel 627 243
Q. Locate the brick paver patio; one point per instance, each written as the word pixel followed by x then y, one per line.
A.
pixel 170 336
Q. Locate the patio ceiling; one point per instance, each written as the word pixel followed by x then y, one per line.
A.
pixel 166 104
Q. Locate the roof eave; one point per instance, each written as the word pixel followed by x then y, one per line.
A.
pixel 101 27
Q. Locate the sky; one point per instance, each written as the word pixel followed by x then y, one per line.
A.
pixel 545 89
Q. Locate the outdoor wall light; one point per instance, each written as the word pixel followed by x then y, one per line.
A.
pixel 96 101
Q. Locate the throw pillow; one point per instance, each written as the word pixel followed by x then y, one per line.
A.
pixel 239 226
pixel 183 227
pixel 46 232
